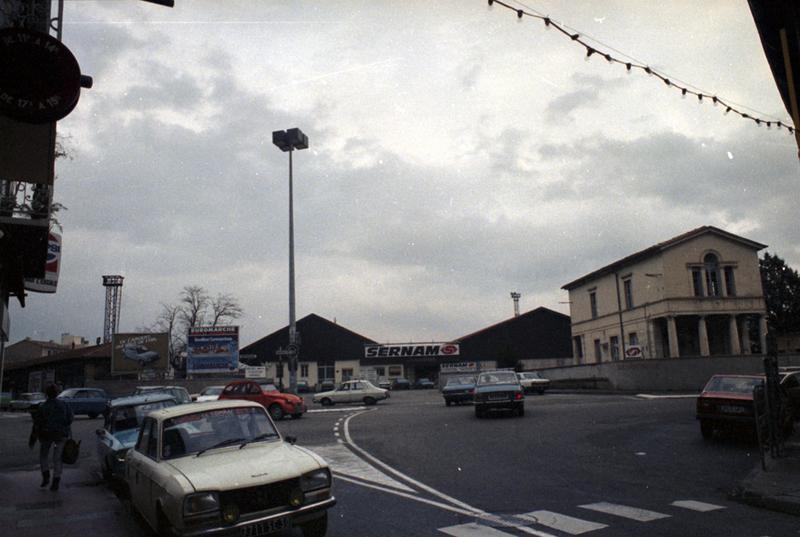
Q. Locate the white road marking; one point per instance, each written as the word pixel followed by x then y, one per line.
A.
pixel 473 530
pixel 557 521
pixel 341 409
pixel 478 513
pixel 344 462
pixel 625 511
pixel 652 396
pixel 697 506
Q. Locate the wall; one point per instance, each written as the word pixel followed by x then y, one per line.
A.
pixel 667 374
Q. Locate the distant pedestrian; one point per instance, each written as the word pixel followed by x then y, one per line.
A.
pixel 52 423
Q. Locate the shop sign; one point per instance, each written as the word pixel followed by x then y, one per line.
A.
pixel 415 350
pixel 49 283
pixel 255 372
pixel 212 349
pixel 459 367
pixel 633 352
pixel 40 79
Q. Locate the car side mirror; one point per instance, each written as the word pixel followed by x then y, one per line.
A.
pixel 291 439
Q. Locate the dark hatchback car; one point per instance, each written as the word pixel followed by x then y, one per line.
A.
pixel 89 401
pixel 458 390
pixel 726 402
pixel 498 390
pixel 401 384
pixel 424 384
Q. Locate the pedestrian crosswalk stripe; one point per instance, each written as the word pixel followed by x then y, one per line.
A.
pixel 697 506
pixel 557 521
pixel 473 530
pixel 625 511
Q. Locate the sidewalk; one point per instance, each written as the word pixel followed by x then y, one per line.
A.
pixel 84 505
pixel 777 488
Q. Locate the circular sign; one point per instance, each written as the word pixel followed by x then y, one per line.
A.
pixel 40 79
pixel 449 349
pixel 292 349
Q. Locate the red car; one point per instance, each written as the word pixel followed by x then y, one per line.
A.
pixel 277 404
pixel 727 402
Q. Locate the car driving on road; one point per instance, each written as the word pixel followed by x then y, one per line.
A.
pixel 533 381
pixel 209 393
pixel 89 401
pixel 27 401
pixel 222 468
pixel 123 417
pixel 726 402
pixel 179 393
pixel 277 404
pixel 352 391
pixel 498 390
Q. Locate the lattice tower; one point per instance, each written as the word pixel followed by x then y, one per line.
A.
pixel 113 285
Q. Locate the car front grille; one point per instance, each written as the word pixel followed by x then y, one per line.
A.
pixel 254 499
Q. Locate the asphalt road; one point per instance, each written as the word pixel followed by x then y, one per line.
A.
pixel 575 464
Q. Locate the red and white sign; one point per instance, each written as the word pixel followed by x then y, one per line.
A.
pixel 633 352
pixel 49 283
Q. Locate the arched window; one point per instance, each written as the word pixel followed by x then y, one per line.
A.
pixel 711 265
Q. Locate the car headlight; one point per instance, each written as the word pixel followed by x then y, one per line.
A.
pixel 318 479
pixel 200 503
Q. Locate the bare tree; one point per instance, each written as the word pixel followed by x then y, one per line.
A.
pixel 169 321
pixel 194 302
pixel 225 307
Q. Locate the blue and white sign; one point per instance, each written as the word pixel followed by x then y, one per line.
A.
pixel 212 349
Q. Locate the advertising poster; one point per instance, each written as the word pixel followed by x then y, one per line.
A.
pixel 49 283
pixel 132 353
pixel 212 349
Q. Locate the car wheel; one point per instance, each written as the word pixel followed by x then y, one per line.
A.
pixel 297 416
pixel 478 412
pixel 276 412
pixel 520 411
pixel 707 429
pixel 105 470
pixel 541 392
pixel 92 415
pixel 326 402
pixel 317 527
pixel 447 403
pixel 369 401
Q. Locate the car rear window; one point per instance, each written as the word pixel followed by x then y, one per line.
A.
pixel 733 384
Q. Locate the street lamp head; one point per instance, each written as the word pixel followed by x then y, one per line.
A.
pixel 290 139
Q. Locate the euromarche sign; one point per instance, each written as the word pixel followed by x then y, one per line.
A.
pixel 415 350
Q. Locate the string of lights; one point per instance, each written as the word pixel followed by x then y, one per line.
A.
pixel 630 65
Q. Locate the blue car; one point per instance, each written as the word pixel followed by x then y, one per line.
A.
pixel 85 401
pixel 459 389
pixel 123 416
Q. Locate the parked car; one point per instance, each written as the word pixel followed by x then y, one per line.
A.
pixel 726 402
pixel 498 390
pixel 209 393
pixel 123 418
pixel 401 383
pixel 352 391
pixel 458 390
pixel 5 400
pixel 222 467
pixel 325 385
pixel 278 404
pixel 179 393
pixel 790 383
pixel 303 387
pixel 385 384
pixel 27 401
pixel 89 401
pixel 424 384
pixel 533 381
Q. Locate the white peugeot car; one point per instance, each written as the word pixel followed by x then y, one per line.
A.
pixel 352 391
pixel 222 468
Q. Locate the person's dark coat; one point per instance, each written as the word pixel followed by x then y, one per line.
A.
pixel 52 420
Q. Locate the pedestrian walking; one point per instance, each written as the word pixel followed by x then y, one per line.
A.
pixel 51 423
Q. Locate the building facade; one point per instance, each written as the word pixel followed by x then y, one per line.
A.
pixel 697 294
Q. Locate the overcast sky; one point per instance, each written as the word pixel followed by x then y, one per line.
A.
pixel 456 155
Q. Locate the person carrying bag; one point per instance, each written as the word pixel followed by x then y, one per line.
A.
pixel 52 423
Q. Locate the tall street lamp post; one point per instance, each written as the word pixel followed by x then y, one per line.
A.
pixel 289 140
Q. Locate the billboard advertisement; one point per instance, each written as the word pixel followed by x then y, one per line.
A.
pixel 132 353
pixel 412 350
pixel 212 349
pixel 49 283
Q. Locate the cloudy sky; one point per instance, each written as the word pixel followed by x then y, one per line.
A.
pixel 456 155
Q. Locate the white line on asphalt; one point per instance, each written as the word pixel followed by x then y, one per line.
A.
pixel 344 462
pixel 557 521
pixel 625 511
pixel 651 396
pixel 342 409
pixel 697 506
pixel 473 510
pixel 473 530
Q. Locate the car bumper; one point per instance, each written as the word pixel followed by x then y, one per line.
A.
pixel 295 516
pixel 500 405
pixel 744 419
pixel 458 397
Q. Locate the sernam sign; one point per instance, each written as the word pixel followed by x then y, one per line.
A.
pixel 416 350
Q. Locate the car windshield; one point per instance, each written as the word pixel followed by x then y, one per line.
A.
pixel 213 390
pixel 130 417
pixel 32 396
pixel 269 388
pixel 200 431
pixel 498 377
pixel 532 375
pixel 460 381
pixel 68 393
pixel 733 384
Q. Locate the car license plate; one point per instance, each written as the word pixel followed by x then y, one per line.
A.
pixel 498 398
pixel 264 528
pixel 731 409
